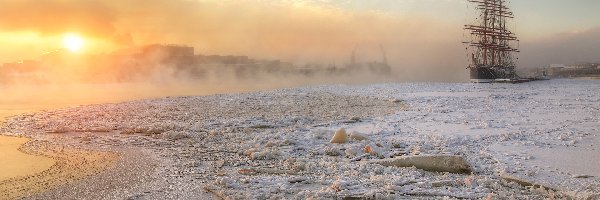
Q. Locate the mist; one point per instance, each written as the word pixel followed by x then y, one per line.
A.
pixel 564 48
pixel 418 47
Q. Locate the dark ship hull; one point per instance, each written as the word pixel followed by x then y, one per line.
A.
pixel 483 75
pixel 491 45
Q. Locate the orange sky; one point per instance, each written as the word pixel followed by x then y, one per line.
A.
pixel 418 35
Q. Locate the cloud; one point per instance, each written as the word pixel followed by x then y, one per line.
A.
pixel 57 17
pixel 296 31
pixel 564 48
pixel 299 32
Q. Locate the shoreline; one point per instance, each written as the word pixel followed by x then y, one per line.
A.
pixel 14 162
pixel 33 165
pixel 70 165
pixel 277 143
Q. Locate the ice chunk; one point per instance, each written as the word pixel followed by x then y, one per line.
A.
pixel 340 136
pixel 436 163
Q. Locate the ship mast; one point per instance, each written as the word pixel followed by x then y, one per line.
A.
pixel 491 41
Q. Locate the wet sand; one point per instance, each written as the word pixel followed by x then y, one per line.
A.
pixel 15 163
pixel 33 166
pixel 28 167
pixel 34 98
pixel 69 166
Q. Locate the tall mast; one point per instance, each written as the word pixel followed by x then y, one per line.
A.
pixel 492 43
pixel 484 39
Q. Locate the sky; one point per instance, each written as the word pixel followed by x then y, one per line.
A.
pixel 418 35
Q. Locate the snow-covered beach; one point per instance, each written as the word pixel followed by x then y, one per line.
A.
pixel 276 144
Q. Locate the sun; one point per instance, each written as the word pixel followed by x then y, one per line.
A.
pixel 73 42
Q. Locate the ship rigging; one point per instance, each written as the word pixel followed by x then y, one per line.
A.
pixel 491 46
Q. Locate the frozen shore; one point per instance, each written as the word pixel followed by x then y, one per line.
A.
pixel 15 163
pixel 276 144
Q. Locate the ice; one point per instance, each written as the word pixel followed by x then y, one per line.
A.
pixel 340 136
pixel 544 132
pixel 436 163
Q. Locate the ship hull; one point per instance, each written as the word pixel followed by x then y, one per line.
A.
pixel 483 75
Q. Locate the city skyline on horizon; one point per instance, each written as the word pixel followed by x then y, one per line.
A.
pixel 300 30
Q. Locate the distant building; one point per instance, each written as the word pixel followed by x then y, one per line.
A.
pixel 167 50
pixel 217 59
pixel 576 70
pixel 145 62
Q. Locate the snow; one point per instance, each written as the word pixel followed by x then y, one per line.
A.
pixel 544 132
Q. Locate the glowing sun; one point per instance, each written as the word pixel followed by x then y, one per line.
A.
pixel 73 42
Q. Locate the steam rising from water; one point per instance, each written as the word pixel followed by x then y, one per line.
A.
pixel 418 47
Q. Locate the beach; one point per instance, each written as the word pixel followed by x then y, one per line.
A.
pixel 518 140
pixel 47 163
pixel 15 163
pixel 32 166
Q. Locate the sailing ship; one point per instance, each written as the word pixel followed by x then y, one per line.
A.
pixel 491 46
